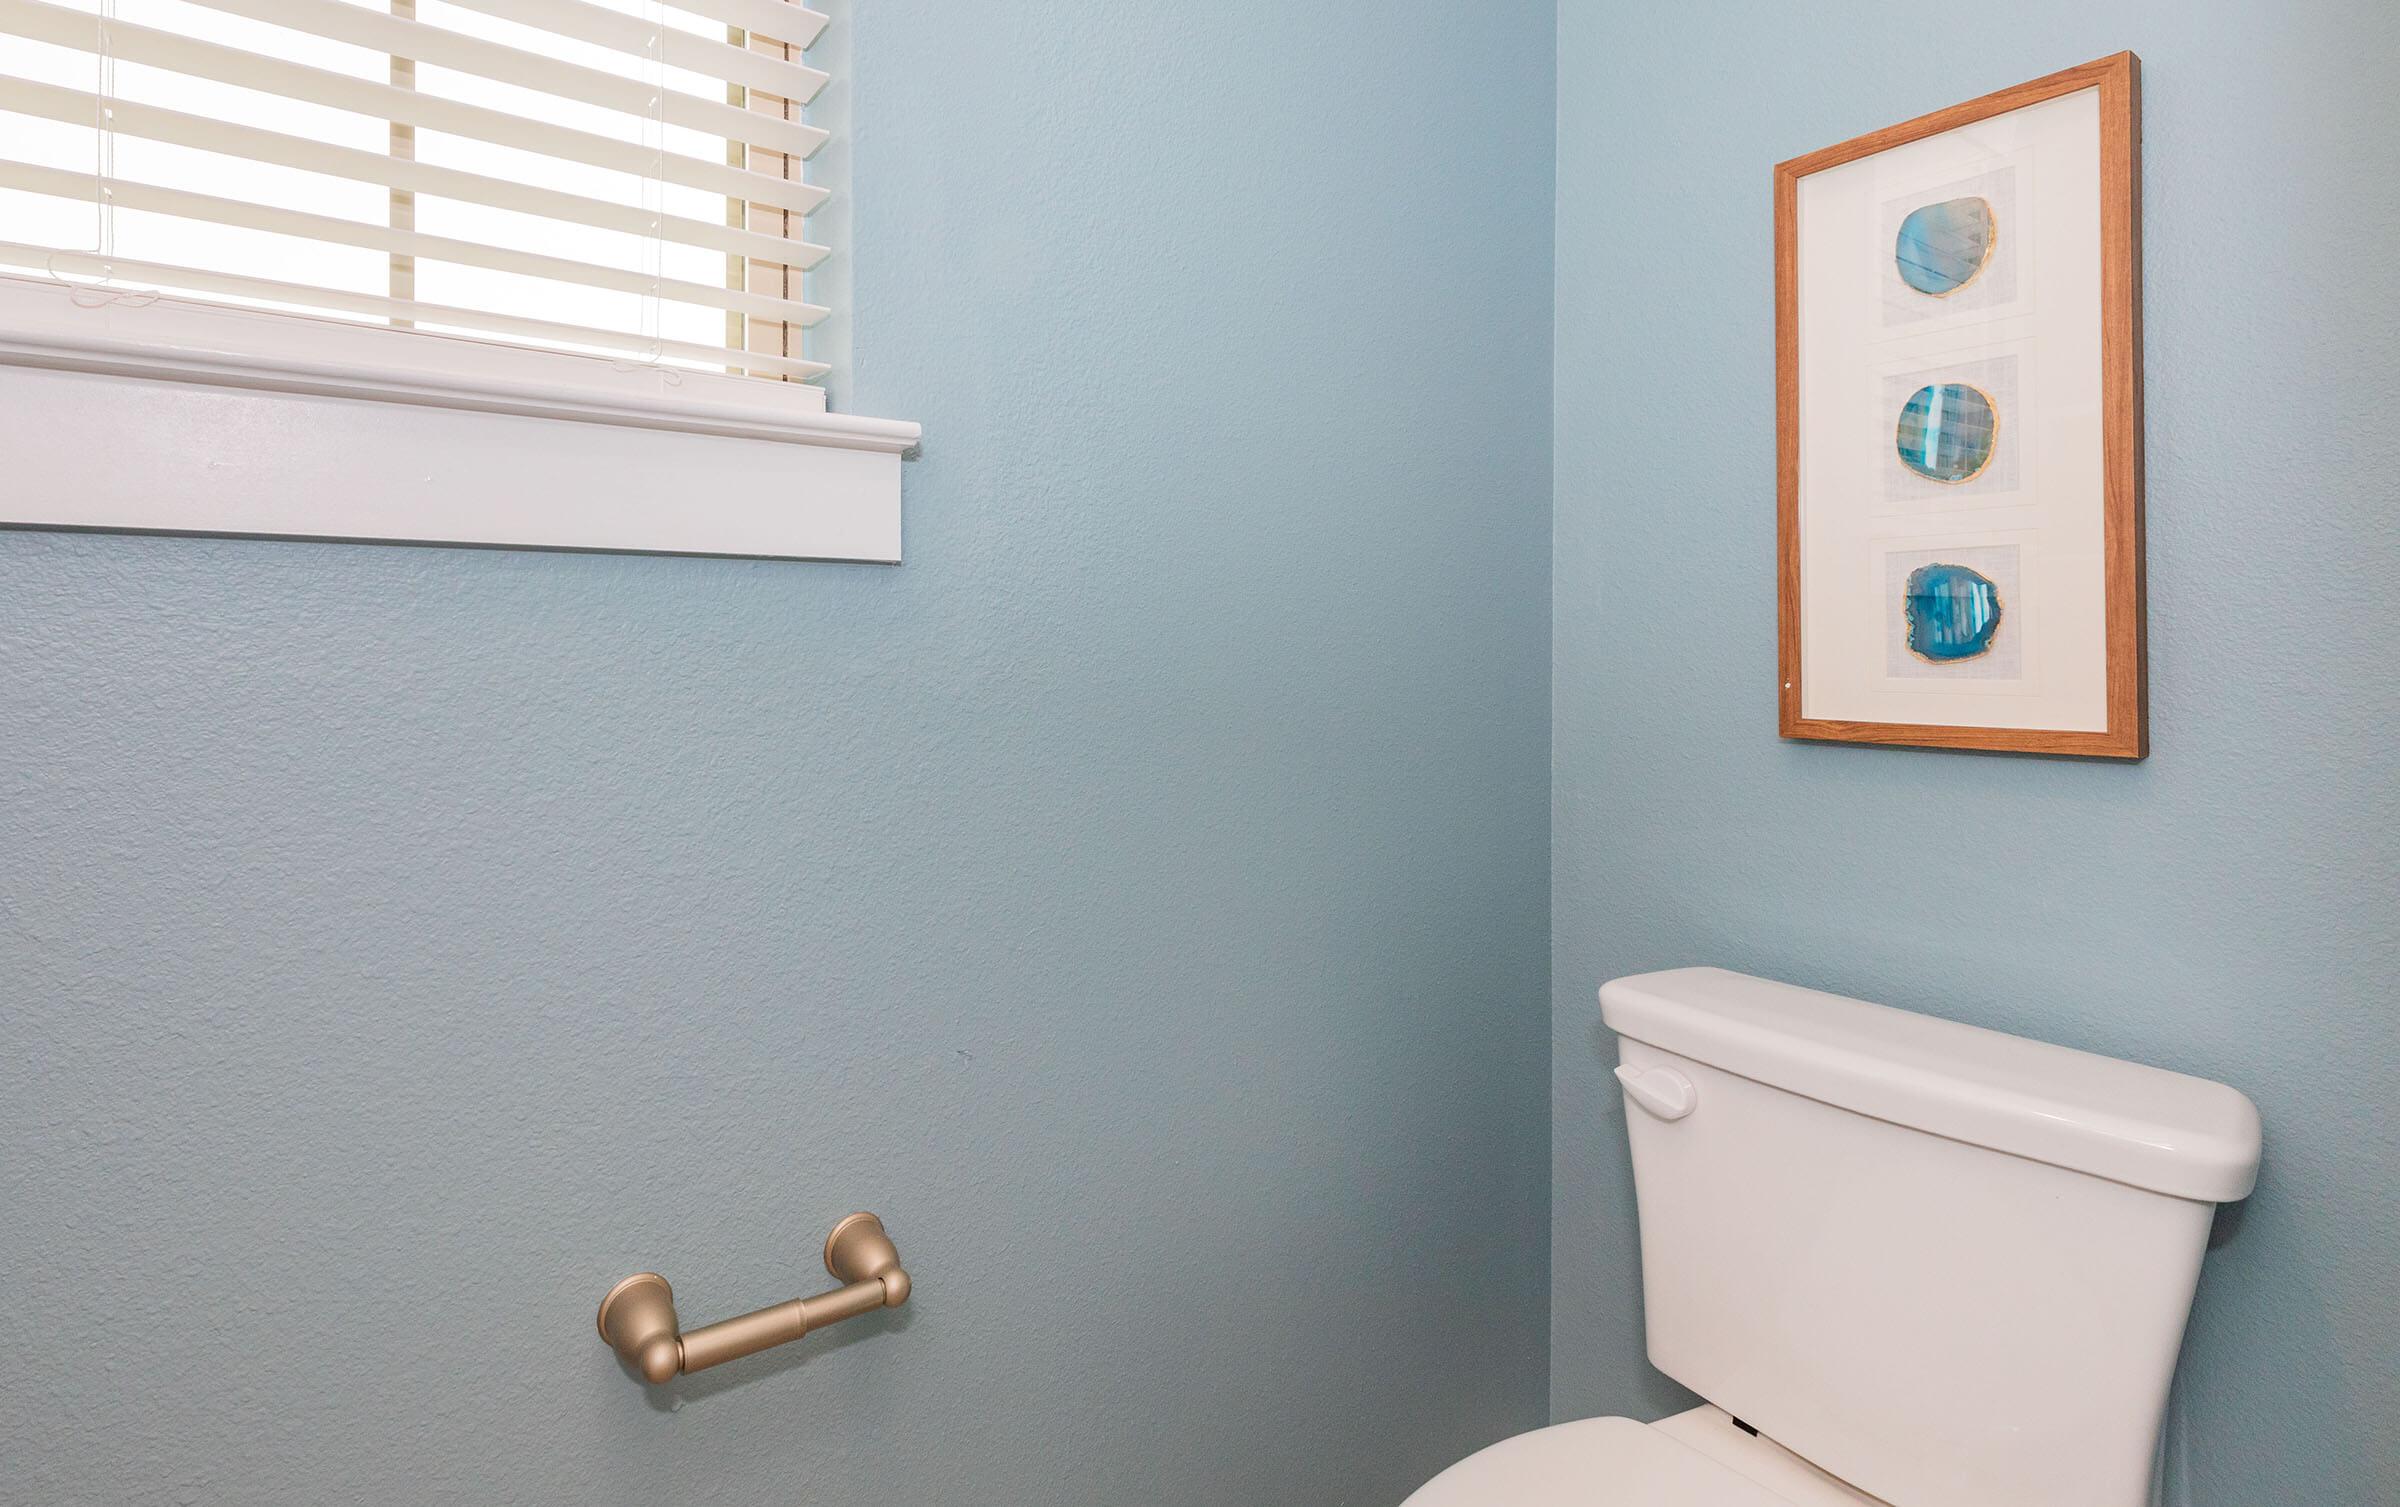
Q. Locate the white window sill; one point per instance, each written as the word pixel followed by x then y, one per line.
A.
pixel 172 416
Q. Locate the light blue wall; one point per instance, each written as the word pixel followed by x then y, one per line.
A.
pixel 2226 908
pixel 1139 897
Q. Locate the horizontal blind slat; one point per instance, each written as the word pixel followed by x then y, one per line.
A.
pixel 43 22
pixel 620 32
pixel 185 204
pixel 547 332
pixel 339 22
pixel 785 22
pixel 256 144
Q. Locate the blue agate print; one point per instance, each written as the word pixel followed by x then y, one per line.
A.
pixel 1946 432
pixel 1952 612
pixel 1942 246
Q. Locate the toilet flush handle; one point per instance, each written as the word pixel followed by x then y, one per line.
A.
pixel 1663 1091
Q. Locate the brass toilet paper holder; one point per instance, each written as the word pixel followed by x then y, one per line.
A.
pixel 637 1318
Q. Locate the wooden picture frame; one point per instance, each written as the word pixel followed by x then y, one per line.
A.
pixel 2110 719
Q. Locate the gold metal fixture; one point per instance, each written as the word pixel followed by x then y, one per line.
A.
pixel 637 1317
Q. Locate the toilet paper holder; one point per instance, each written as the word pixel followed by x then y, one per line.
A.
pixel 637 1318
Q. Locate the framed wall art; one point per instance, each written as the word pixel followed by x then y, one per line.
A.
pixel 1959 426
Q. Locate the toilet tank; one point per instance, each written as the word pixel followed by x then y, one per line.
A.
pixel 1949 1266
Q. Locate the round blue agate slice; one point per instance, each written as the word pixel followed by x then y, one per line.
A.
pixel 1942 246
pixel 1952 612
pixel 1946 432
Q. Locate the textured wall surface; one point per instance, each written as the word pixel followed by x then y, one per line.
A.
pixel 2228 907
pixel 1139 897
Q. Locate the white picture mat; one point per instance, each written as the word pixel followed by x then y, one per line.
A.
pixel 1848 523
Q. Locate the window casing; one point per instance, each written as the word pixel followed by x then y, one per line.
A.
pixel 589 209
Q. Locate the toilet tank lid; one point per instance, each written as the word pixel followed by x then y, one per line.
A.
pixel 2144 1126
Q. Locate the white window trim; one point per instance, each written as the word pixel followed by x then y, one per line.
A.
pixel 833 489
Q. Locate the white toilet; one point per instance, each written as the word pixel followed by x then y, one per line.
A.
pixel 1907 1261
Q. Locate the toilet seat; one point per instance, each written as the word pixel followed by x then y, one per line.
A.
pixel 1594 1462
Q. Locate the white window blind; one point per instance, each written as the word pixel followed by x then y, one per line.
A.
pixel 609 177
